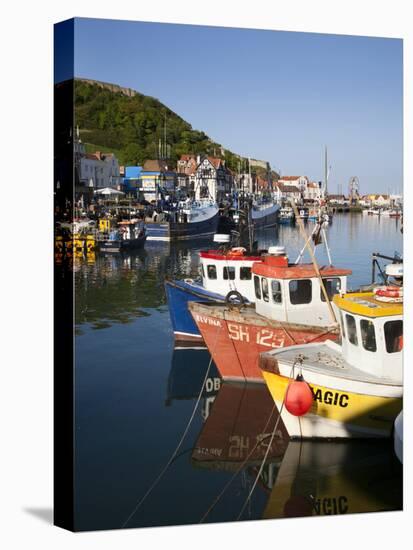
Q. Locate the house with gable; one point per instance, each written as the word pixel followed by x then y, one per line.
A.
pixel 212 179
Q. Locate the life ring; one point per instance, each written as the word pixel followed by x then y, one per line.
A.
pixel 389 293
pixel 234 298
pixel 237 251
pixel 189 281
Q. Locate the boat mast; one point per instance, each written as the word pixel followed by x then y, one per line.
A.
pixel 325 173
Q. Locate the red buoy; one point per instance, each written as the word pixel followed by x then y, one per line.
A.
pixel 299 397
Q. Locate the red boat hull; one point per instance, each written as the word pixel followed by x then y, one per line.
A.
pixel 235 338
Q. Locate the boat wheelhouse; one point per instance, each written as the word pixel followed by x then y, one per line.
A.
pixel 222 271
pixel 290 308
pixel 303 213
pixel 356 386
pixel 286 215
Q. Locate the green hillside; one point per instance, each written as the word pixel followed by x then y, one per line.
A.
pixel 132 126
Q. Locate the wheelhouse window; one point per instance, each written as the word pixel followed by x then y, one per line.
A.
pixel 300 291
pixel 393 335
pixel 212 271
pixel 202 271
pixel 264 284
pixel 332 286
pixel 245 273
pixel 276 292
pixel 351 329
pixel 229 273
pixel 368 335
pixel 257 287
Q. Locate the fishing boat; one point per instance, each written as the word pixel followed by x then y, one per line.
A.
pixel 313 214
pixel 286 215
pixel 190 220
pixel 222 271
pixel 264 215
pixel 126 235
pixel 351 389
pixel 227 269
pixel 290 308
pixel 303 213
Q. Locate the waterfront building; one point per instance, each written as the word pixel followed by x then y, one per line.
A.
pixel 157 180
pixel 379 200
pixel 132 180
pixel 313 191
pixel 212 179
pixel 284 192
pixel 99 170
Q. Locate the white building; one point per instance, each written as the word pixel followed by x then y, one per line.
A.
pixel 96 170
pixel 284 192
pixel 301 182
pixel 313 191
pixel 100 170
pixel 212 179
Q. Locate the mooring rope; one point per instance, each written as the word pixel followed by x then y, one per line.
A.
pixel 174 454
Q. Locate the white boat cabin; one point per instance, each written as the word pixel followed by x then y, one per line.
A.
pixel 292 292
pixel 372 333
pixel 223 272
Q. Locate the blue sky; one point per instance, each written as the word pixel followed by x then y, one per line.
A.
pixel 273 95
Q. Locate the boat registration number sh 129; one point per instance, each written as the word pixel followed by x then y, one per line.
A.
pixel 263 337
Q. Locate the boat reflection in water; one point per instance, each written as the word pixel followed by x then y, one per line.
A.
pixel 238 430
pixel 318 478
pixel 187 374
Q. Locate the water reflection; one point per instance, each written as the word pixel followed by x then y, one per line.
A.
pixel 238 429
pixel 187 375
pixel 329 478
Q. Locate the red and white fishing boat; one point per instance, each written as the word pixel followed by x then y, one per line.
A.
pixel 290 308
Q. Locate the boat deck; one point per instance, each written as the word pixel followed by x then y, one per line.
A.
pixel 326 359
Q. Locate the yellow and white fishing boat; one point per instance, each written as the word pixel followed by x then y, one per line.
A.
pixel 356 387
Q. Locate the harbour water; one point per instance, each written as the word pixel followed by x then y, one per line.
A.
pixel 135 394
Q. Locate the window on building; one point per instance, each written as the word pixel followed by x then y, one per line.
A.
pixel 257 287
pixel 229 273
pixel 300 291
pixel 245 273
pixel 393 334
pixel 351 329
pixel 212 272
pixel 276 292
pixel 368 335
pixel 332 286
pixel 264 285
